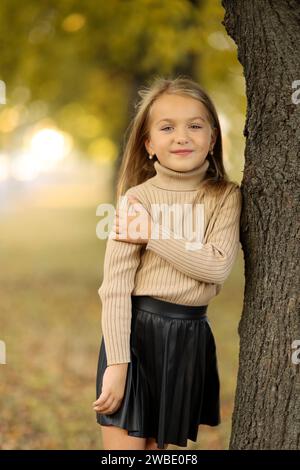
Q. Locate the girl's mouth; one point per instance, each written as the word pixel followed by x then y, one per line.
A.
pixel 183 152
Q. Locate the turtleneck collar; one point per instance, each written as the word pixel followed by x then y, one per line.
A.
pixel 166 178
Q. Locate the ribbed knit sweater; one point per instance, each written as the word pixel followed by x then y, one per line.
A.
pixel 171 269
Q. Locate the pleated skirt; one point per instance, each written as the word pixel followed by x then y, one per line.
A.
pixel 172 382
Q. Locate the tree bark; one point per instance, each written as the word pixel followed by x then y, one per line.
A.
pixel 267 402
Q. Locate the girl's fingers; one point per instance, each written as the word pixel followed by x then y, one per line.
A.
pixel 122 216
pixel 113 408
pixel 107 407
pixel 132 200
pixel 101 401
pixel 102 409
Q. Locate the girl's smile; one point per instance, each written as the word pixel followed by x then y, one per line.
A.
pixel 182 152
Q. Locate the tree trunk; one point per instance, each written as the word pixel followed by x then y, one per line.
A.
pixel 267 401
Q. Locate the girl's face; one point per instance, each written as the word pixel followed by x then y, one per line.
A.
pixel 179 123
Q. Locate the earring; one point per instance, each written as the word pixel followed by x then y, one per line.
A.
pixel 211 152
pixel 150 156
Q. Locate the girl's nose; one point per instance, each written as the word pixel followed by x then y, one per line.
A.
pixel 182 140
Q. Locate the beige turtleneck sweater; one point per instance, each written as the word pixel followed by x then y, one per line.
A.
pixel 171 269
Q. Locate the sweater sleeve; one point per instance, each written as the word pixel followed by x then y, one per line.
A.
pixel 210 262
pixel 120 264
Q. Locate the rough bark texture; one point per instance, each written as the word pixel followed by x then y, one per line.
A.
pixel 267 402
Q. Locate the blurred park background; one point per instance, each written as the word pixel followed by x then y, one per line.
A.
pixel 69 72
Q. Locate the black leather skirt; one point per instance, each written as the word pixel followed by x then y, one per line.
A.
pixel 172 382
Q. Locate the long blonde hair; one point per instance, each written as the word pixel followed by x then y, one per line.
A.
pixel 136 167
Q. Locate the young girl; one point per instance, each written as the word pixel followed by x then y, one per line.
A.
pixel 157 377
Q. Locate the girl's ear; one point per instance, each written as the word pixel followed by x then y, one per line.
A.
pixel 147 145
pixel 214 135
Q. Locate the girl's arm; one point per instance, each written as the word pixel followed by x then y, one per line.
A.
pixel 211 261
pixel 120 264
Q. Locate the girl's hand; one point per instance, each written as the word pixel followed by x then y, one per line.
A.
pixel 123 219
pixel 113 387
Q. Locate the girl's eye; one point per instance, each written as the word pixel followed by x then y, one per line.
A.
pixel 193 125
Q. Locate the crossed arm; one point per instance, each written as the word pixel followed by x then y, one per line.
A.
pixel 211 261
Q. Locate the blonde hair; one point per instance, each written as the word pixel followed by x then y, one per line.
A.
pixel 136 167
